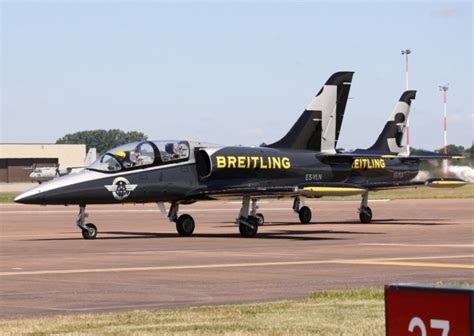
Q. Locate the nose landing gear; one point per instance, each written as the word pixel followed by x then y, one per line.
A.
pixel 89 230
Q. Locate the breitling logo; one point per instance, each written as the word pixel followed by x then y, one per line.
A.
pixel 253 162
pixel 368 164
pixel 121 188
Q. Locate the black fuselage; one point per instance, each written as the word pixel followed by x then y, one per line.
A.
pixel 216 169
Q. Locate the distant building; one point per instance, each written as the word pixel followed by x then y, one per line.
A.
pixel 16 160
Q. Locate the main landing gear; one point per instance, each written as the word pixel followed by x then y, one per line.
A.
pixel 304 212
pixel 365 213
pixel 253 212
pixel 248 223
pixel 89 230
pixel 184 223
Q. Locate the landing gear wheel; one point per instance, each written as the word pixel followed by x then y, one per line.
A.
pixel 260 218
pixel 248 227
pixel 185 225
pixel 305 215
pixel 365 215
pixel 91 231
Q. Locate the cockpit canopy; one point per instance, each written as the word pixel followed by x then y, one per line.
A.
pixel 141 154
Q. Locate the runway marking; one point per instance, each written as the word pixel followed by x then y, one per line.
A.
pixel 417 245
pixel 409 264
pixel 424 258
pixel 380 261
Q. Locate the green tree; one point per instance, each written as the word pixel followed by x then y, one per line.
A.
pixel 470 151
pixel 101 139
pixel 453 150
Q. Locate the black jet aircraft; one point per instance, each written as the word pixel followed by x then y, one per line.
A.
pixel 304 163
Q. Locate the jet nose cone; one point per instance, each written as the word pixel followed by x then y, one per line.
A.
pixel 28 197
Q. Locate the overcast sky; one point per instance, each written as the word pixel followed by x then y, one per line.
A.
pixel 238 73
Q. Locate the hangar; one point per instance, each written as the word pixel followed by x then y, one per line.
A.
pixel 16 160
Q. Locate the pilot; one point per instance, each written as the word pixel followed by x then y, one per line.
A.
pixel 171 152
pixel 123 156
pixel 133 157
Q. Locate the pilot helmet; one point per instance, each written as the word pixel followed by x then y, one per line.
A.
pixel 121 154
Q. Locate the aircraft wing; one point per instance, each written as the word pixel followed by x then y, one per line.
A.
pixel 234 192
pixel 307 189
pixel 321 189
pixel 432 183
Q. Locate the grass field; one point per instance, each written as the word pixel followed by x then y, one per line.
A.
pixel 418 193
pixel 409 193
pixel 335 312
pixel 345 312
pixel 7 197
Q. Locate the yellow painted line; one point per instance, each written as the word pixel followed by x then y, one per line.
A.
pixel 409 264
pixel 167 268
pixel 424 258
pixel 418 245
pixel 392 262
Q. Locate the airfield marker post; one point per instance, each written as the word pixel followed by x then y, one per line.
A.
pixel 444 89
pixel 407 52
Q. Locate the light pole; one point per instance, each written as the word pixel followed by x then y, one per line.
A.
pixel 444 89
pixel 407 52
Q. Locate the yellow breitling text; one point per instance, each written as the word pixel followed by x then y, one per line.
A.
pixel 368 164
pixel 249 162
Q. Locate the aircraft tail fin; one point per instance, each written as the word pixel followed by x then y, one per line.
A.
pixel 319 126
pixel 90 157
pixel 390 139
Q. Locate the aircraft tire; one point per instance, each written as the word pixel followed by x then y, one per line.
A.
pixel 305 215
pixel 91 231
pixel 185 225
pixel 247 231
pixel 365 215
pixel 261 218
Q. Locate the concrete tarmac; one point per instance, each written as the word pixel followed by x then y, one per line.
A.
pixel 139 262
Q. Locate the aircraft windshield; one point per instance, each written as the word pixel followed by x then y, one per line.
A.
pixel 141 154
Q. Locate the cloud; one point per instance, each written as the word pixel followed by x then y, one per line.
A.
pixel 251 131
pixel 444 12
